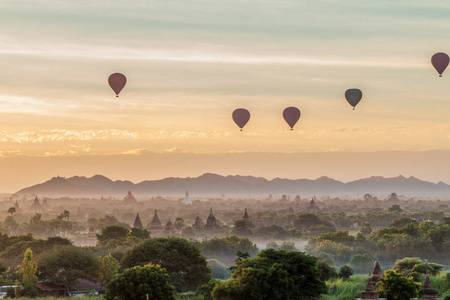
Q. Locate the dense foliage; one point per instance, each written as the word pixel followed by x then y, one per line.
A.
pixel 67 264
pixel 394 286
pixel 273 274
pixel 139 282
pixel 183 261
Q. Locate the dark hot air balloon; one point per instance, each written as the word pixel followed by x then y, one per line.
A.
pixel 440 62
pixel 353 96
pixel 117 81
pixel 241 117
pixel 291 116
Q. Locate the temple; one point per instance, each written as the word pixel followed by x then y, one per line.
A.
pixel 36 206
pixel 129 198
pixel 155 226
pixel 313 205
pixel 247 219
pixel 427 292
pixel 170 229
pixel 187 200
pixel 138 222
pixel 211 223
pixel 377 273
pixel 91 239
pixel 18 209
pixel 369 292
pixel 198 225
pixel 259 221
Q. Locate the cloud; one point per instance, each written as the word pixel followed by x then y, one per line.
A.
pixel 154 55
pixel 64 135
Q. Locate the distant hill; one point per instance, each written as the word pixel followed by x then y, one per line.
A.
pixel 213 184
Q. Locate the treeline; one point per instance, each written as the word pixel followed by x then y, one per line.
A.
pixel 404 237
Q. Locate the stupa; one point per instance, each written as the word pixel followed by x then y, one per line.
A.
pixel 198 224
pixel 187 200
pixel 129 198
pixel 369 292
pixel 170 229
pixel 246 218
pixel 138 222
pixel 427 291
pixel 377 273
pixel 155 226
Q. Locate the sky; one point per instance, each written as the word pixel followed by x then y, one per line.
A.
pixel 189 64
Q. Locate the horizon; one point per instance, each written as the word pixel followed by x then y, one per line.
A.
pixel 432 166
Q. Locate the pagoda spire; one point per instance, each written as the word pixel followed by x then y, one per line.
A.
pixel 138 222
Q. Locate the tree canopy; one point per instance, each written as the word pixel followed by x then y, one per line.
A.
pixel 138 282
pixel 65 265
pixel 394 286
pixel 183 261
pixel 273 274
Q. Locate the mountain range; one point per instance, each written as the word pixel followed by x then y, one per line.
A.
pixel 213 184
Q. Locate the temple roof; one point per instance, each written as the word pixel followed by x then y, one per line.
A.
pixel 138 222
pixel 427 285
pixel 245 217
pixel 377 270
pixel 211 220
pixel 129 197
pixel 169 225
pixel 156 221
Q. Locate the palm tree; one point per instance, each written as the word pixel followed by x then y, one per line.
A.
pixel 12 210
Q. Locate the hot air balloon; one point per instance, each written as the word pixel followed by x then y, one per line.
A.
pixel 241 117
pixel 117 81
pixel 440 62
pixel 291 116
pixel 353 96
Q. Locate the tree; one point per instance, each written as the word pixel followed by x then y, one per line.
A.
pixel 225 248
pixel 394 286
pixel 108 269
pixel 206 290
pixel 272 245
pixel 11 210
pixel 410 265
pixel 218 269
pixel 326 271
pixel 67 264
pixel 395 208
pixel 272 232
pixel 139 233
pixel 139 282
pixel 288 246
pixel 366 228
pixel 307 221
pixel 113 232
pixel 183 261
pixel 36 218
pixel 11 224
pixel 273 274
pixel 345 272
pixel 66 214
pixel 179 224
pixel 29 278
pixel 403 222
pixel 241 228
pixel 361 263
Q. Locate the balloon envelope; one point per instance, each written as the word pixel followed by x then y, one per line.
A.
pixel 440 62
pixel 241 117
pixel 353 96
pixel 117 81
pixel 291 115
